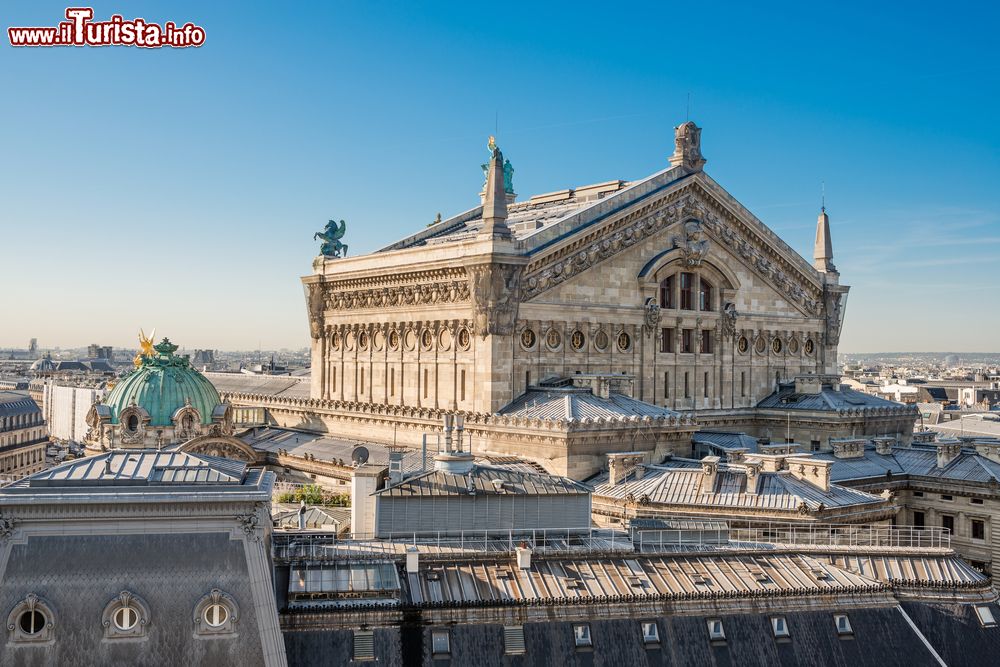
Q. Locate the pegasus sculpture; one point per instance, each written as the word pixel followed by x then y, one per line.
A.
pixel 332 247
pixel 145 347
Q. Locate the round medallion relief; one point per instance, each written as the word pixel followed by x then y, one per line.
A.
pixel 601 341
pixel 527 339
pixel 409 339
pixel 743 345
pixel 427 339
pixel 464 338
pixel 378 340
pixel 351 340
pixel 760 345
pixel 577 340
pixel 336 340
pixel 393 340
pixel 553 339
pixel 624 341
pixel 363 340
pixel 793 345
pixel 776 346
pixel 444 339
pixel 810 347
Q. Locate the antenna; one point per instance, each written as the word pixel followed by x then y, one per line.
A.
pixel 359 456
pixel 687 110
pixel 823 195
pixel 496 123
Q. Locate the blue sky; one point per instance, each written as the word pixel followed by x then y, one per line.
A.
pixel 180 188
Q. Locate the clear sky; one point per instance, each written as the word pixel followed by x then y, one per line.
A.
pixel 180 188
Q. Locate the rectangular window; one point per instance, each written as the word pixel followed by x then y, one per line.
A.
pixel 527 379
pixel 705 295
pixel 667 339
pixel 687 344
pixel 976 501
pixel 364 645
pixel 948 522
pixel 650 633
pixel 743 384
pixel 918 494
pixel 440 642
pixel 716 632
pixel 463 385
pixel 947 498
pixel 333 379
pixel 667 293
pixel 706 341
pixel 814 445
pixel 779 626
pixel 666 384
pixel 918 519
pixel 978 530
pixel 392 381
pixel 513 639
pixel 687 289
pixel 705 386
pixel 843 624
pixel 362 381
pixel 426 383
pixel 581 634
pixel 687 387
pixel 986 616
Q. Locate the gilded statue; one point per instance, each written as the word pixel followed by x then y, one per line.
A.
pixel 145 347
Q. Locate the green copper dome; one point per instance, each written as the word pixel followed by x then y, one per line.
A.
pixel 162 384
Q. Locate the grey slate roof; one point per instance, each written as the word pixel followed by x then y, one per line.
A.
pixel 515 482
pixel 920 461
pixel 828 399
pixel 668 485
pixel 726 441
pixel 580 404
pixel 14 403
pixel 327 448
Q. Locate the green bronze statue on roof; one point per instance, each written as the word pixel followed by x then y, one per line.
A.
pixel 508 168
pixel 332 247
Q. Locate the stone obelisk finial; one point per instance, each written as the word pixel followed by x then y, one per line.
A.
pixel 495 201
pixel 823 249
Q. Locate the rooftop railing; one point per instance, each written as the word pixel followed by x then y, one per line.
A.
pixel 649 537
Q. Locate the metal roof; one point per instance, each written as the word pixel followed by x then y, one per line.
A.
pixel 285 386
pixel 579 404
pixel 671 485
pixel 726 441
pixel 829 398
pixel 327 448
pixel 140 468
pixel 481 480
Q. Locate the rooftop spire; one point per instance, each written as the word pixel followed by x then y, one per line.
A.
pixel 495 201
pixel 823 249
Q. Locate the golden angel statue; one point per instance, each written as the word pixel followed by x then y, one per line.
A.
pixel 145 347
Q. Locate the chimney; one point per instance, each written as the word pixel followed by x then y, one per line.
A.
pixel 848 448
pixel 616 469
pixel 412 560
pixel 710 472
pixel 736 455
pixel 753 477
pixel 823 248
pixel 947 451
pixel 990 450
pixel 813 471
pixel 884 445
pixel 395 466
pixel 495 202
pixel 523 556
pixel 364 482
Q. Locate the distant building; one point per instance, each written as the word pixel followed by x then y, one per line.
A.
pixel 66 405
pixel 95 351
pixel 23 436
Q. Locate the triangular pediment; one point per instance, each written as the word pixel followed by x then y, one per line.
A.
pixel 691 216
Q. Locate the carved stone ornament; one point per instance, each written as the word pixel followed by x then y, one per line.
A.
pixel 651 315
pixel 315 300
pixel 728 320
pixel 693 244
pixel 834 319
pixel 250 523
pixel 687 146
pixel 7 525
pixel 396 296
pixel 496 293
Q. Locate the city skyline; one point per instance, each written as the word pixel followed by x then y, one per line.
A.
pixel 320 125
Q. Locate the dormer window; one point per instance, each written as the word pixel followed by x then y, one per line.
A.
pixel 986 616
pixel 30 621
pixel 716 632
pixel 581 635
pixel 216 614
pixel 779 626
pixel 843 625
pixel 132 423
pixel 650 633
pixel 126 616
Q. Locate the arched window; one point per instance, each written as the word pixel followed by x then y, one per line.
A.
pixel 667 292
pixel 133 423
pixel 216 614
pixel 705 295
pixel 687 294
